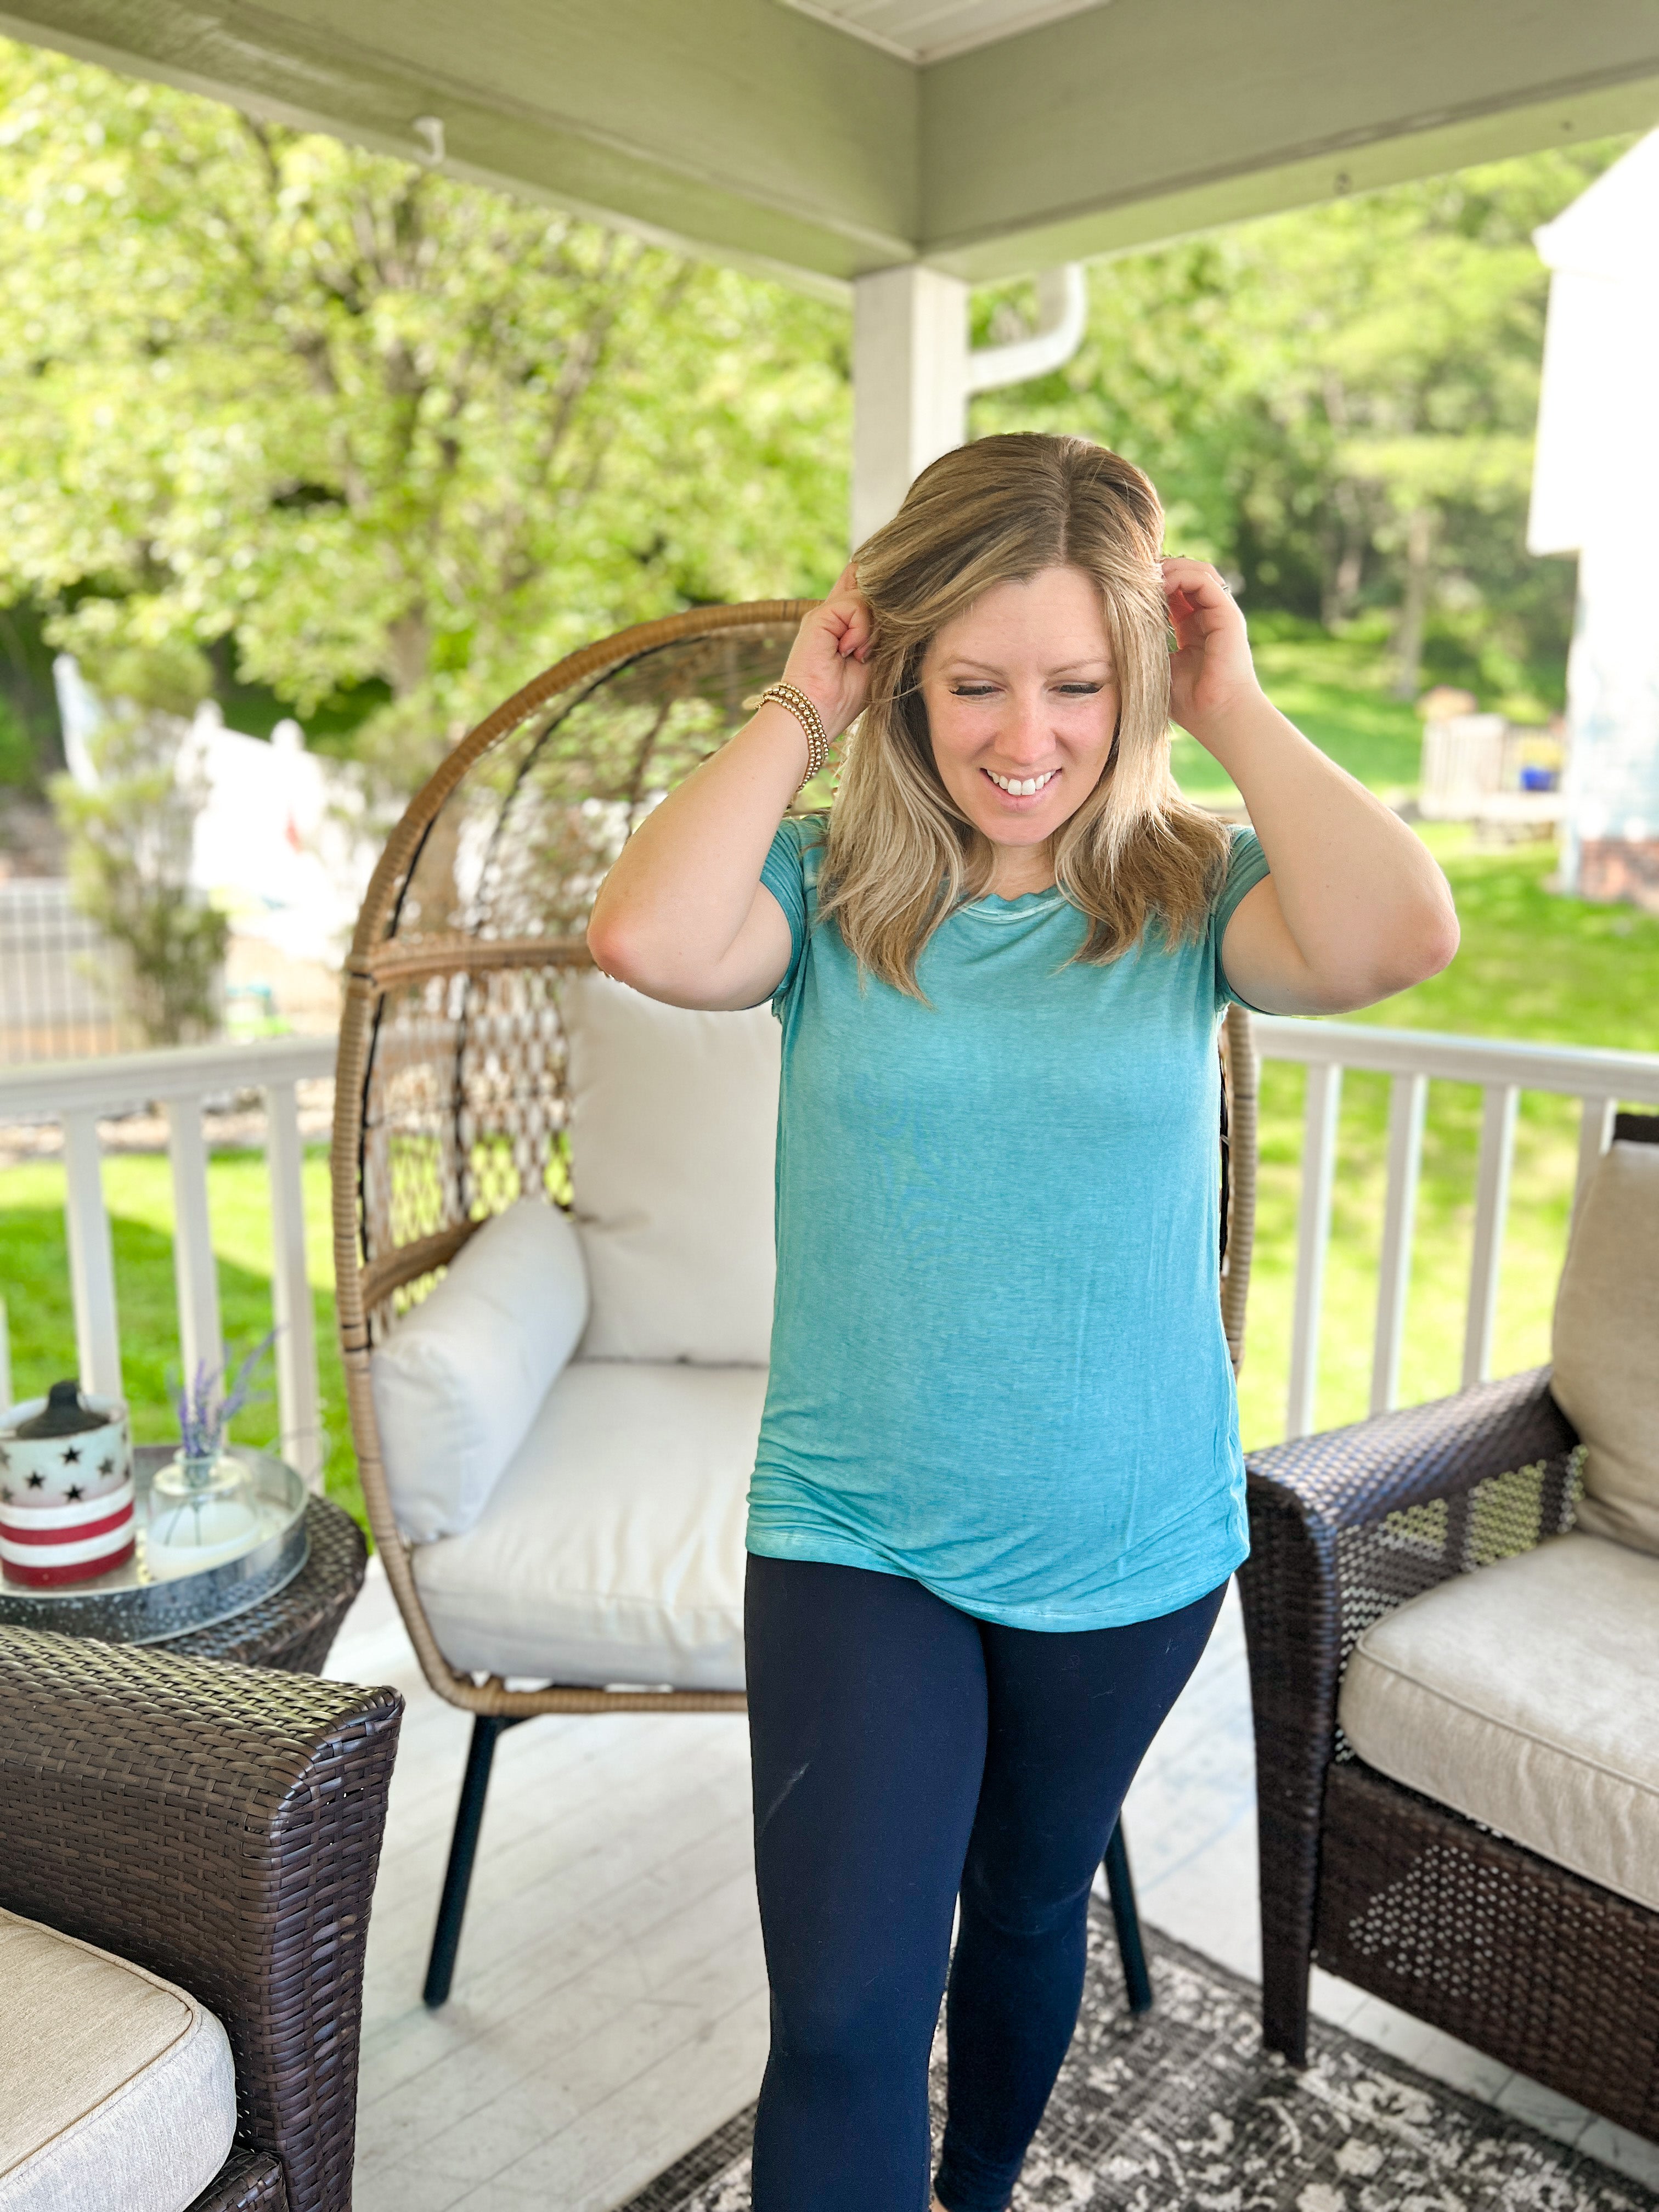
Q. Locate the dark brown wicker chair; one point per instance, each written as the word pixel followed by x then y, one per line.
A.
pixel 450 1099
pixel 219 1826
pixel 1547 1972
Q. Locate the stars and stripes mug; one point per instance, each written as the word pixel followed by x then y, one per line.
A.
pixel 66 1501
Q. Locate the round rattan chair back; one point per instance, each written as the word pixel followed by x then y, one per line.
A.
pixel 1241 1075
pixel 450 1098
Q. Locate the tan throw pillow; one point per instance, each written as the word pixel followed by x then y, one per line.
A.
pixel 1607 1345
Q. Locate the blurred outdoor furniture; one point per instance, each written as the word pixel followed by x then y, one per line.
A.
pixel 1480 769
pixel 216 1830
pixel 1453 1619
pixel 553 1208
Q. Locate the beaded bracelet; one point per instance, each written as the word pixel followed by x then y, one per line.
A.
pixel 795 701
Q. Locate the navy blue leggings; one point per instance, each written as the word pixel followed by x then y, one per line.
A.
pixel 903 1751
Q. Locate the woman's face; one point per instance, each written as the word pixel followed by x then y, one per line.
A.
pixel 1022 702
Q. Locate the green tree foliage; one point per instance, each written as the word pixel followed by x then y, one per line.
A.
pixel 365 432
pixel 371 425
pixel 1339 405
pixel 130 838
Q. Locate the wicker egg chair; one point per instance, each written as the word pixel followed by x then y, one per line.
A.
pixel 451 1098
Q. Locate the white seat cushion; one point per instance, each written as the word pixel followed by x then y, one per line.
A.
pixel 116 2088
pixel 612 1549
pixel 1605 1375
pixel 672 1138
pixel 1525 1695
pixel 459 1380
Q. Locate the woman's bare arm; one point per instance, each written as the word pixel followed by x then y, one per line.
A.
pixel 1355 908
pixel 682 916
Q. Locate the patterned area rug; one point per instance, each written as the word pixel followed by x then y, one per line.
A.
pixel 1183 2111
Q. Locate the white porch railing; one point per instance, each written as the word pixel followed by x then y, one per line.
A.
pixel 78 1093
pixel 1601 1080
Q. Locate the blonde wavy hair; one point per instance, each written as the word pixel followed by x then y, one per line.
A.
pixel 901 856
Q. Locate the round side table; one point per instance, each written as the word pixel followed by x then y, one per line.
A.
pixel 295 1628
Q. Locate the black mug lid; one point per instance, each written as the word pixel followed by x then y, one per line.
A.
pixel 65 1413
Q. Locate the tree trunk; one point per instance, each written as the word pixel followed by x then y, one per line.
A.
pixel 1343 575
pixel 1414 606
pixel 409 649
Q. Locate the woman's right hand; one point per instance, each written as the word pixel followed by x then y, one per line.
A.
pixel 827 659
pixel 684 915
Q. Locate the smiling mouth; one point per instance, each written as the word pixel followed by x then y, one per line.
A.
pixel 1022 786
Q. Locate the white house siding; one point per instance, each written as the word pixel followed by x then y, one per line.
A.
pixel 1595 492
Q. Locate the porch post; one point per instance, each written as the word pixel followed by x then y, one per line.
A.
pixel 910 383
pixel 913 372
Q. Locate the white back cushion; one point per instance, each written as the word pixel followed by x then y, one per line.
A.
pixel 1605 1375
pixel 459 1380
pixel 673 1134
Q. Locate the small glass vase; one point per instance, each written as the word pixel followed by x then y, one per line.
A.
pixel 202 1514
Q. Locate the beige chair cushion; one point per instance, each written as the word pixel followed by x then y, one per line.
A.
pixel 673 1140
pixel 1525 1695
pixel 612 1549
pixel 116 2088
pixel 1606 1376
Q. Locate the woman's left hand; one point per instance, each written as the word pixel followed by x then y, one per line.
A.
pixel 1353 907
pixel 1211 672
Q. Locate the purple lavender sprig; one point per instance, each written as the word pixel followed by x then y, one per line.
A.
pixel 206 1405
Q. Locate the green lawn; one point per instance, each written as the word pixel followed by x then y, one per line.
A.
pixel 1336 691
pixel 138 1188
pixel 1532 965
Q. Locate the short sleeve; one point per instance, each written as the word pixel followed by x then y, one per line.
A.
pixel 1246 865
pixel 783 872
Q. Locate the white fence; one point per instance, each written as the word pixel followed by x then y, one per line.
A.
pixel 55 971
pixel 1601 1080
pixel 77 1093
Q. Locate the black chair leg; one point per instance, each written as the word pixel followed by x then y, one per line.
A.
pixel 463 1850
pixel 1137 1983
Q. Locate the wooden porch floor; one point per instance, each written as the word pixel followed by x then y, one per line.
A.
pixel 609 2002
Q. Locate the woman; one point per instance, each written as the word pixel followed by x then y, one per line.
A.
pixel 999 1490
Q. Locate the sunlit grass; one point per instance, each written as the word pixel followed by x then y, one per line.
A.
pixel 1532 965
pixel 137 1189
pixel 1546 1155
pixel 1336 690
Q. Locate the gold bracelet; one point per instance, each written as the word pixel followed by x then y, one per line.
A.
pixel 794 700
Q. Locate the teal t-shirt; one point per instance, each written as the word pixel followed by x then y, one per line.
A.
pixel 998 1362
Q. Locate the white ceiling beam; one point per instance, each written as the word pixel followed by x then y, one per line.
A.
pixel 736 128
pixel 760 135
pixel 1114 128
